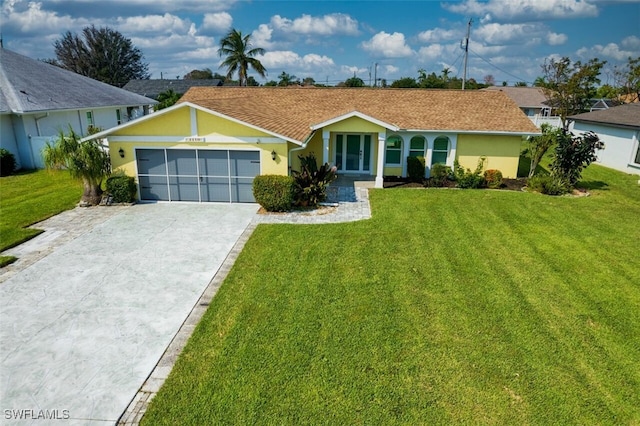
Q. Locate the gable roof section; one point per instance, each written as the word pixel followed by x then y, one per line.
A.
pixel 524 97
pixel 29 85
pixel 627 116
pixel 152 88
pixel 293 112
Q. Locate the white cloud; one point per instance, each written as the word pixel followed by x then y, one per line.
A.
pixel 431 52
pixel 529 9
pixel 390 69
pixel 217 22
pixel 631 42
pixel 332 24
pixel 555 39
pixel 608 51
pixel 527 33
pixel 291 60
pixel 387 45
pixel 439 34
pixel 166 23
pixel 31 18
pixel 261 37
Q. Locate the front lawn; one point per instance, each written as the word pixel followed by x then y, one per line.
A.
pixel 449 306
pixel 29 197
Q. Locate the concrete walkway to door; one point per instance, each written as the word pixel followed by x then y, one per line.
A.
pixel 84 323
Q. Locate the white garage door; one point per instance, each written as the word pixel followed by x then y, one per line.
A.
pixel 197 174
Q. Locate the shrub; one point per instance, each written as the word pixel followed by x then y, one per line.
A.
pixel 274 193
pixel 549 185
pixel 493 178
pixel 466 178
pixel 7 162
pixel 122 188
pixel 440 174
pixel 573 154
pixel 415 168
pixel 311 182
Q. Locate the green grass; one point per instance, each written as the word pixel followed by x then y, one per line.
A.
pixel 29 197
pixel 448 307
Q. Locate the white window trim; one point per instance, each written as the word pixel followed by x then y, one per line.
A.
pixel 401 149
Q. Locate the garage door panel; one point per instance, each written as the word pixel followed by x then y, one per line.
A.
pixel 151 162
pixel 184 188
pixel 213 163
pixel 242 190
pixel 182 162
pixel 153 188
pixel 244 163
pixel 215 189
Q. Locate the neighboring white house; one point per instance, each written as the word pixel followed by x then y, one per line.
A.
pixel 38 100
pixel 619 128
pixel 533 103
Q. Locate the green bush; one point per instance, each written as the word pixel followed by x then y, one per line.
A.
pixel 7 162
pixel 548 185
pixel 465 178
pixel 122 188
pixel 311 181
pixel 573 154
pixel 493 178
pixel 415 168
pixel 440 174
pixel 274 193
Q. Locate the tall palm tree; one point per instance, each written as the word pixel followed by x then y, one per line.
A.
pixel 240 55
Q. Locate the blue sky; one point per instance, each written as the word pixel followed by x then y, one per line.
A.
pixel 331 40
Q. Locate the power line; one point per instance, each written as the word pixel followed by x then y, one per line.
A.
pixel 498 68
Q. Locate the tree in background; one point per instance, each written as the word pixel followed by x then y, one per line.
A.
pixel 489 80
pixel 167 98
pixel 285 79
pixel 570 86
pixel 205 74
pixel 353 82
pixel 240 56
pixel 405 83
pixel 102 54
pixel 539 145
pixel 86 160
pixel 520 84
pixel 628 79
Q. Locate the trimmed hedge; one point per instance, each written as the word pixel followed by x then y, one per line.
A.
pixel 7 162
pixel 415 168
pixel 122 188
pixel 275 193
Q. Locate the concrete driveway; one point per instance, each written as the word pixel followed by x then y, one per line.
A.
pixel 81 328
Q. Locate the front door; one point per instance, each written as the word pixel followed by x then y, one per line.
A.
pixel 353 153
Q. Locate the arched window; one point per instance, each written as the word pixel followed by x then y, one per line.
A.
pixel 417 146
pixel 440 150
pixel 393 154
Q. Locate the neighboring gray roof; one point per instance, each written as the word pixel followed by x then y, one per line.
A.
pixel 29 85
pixel 524 97
pixel 152 88
pixel 627 115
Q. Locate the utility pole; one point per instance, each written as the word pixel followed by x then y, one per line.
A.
pixel 466 53
pixel 375 75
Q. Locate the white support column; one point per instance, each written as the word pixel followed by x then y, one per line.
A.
pixel 452 153
pixel 325 146
pixel 194 122
pixel 382 139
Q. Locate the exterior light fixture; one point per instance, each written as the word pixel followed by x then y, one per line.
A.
pixel 121 152
pixel 274 154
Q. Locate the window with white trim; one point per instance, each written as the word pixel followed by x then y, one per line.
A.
pixel 637 159
pixel 118 116
pixel 417 146
pixel 440 150
pixel 90 118
pixel 393 151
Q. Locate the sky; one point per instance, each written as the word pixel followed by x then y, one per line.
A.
pixel 331 41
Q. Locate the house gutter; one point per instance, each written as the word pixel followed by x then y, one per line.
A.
pixel 300 148
pixel 36 119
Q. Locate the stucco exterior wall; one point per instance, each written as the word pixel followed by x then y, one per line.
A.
pixel 620 146
pixel 501 152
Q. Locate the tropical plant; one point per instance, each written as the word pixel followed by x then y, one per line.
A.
pixel 440 174
pixel 85 160
pixel 539 145
pixel 466 178
pixel 102 54
pixel 311 181
pixel 573 154
pixel 240 56
pixel 493 178
pixel 548 185
pixel 7 162
pixel 167 98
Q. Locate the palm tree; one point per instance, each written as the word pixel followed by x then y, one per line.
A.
pixel 240 56
pixel 85 160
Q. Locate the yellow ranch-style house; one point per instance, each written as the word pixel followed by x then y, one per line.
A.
pixel 215 140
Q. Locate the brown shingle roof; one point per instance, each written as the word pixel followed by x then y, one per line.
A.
pixel 524 97
pixel 291 112
pixel 627 115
